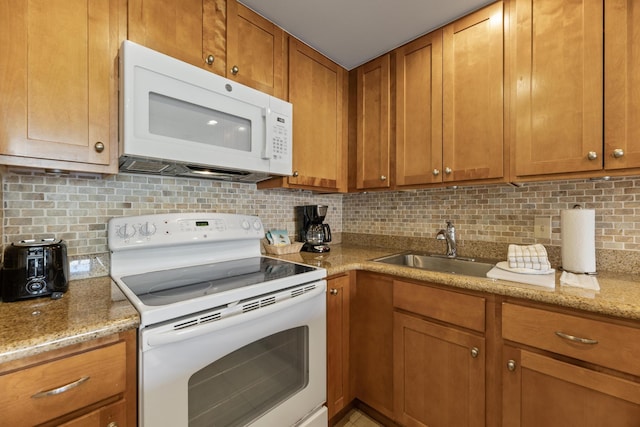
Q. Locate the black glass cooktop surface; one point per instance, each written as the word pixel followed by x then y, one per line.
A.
pixel 180 284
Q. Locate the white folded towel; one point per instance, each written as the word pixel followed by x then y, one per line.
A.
pixel 579 280
pixel 533 257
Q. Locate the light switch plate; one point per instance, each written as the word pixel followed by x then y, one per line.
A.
pixel 542 227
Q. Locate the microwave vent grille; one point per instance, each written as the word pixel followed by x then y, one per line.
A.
pixel 147 166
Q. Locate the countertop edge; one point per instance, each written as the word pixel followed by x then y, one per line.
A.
pixel 575 298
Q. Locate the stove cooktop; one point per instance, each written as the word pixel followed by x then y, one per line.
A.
pixel 180 284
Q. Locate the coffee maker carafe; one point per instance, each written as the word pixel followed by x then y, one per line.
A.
pixel 311 229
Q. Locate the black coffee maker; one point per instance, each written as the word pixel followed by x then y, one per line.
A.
pixel 311 229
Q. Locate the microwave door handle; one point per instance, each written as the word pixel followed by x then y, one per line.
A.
pixel 267 149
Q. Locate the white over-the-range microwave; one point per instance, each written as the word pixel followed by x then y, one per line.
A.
pixel 179 120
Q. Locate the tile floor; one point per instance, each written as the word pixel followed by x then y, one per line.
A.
pixel 355 418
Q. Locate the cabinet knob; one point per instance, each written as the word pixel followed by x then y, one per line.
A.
pixel 448 171
pixel 618 152
pixel 592 155
pixel 383 178
pixel 234 70
pixel 511 365
pixel 210 59
pixel 112 424
pixel 475 352
pixel 333 291
pixel 99 146
pixel 295 174
pixel 436 172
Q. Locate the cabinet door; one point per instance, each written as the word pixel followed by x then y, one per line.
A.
pixel 557 86
pixel 372 341
pixel 419 111
pixel 337 344
pixel 622 78
pixel 317 92
pixel 193 31
pixel 58 91
pixel 541 391
pixel 373 121
pixel 173 28
pixel 439 375
pixel 255 50
pixel 473 96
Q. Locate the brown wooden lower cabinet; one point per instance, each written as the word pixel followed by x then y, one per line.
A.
pixel 372 341
pixel 562 368
pixel 87 384
pixel 338 389
pixel 439 374
pixel 541 391
pixel 423 354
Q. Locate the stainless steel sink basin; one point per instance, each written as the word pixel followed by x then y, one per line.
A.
pixel 432 262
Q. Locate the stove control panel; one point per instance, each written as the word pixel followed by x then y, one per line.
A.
pixel 159 230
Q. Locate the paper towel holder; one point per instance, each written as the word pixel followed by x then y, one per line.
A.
pixel 594 273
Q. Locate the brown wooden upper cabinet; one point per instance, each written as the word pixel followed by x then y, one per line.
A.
pixel 473 104
pixel 255 50
pixel 419 111
pixel 449 103
pixel 221 36
pixel 373 124
pixel 557 86
pixel 622 79
pixel 318 92
pixel 58 91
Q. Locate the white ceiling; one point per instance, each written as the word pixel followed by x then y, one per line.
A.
pixel 351 32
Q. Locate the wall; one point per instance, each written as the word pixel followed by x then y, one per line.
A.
pixel 77 209
pixel 501 213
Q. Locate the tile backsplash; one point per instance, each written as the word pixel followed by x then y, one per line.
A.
pixel 500 213
pixel 77 209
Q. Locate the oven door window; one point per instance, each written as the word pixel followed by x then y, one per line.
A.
pixel 245 384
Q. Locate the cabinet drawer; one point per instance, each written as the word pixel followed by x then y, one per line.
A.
pixel 111 415
pixel 43 392
pixel 459 309
pixel 603 343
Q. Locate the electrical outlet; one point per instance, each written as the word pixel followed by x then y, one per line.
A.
pixel 542 227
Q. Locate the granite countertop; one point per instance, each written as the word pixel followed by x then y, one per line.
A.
pixel 95 307
pixel 91 308
pixel 619 294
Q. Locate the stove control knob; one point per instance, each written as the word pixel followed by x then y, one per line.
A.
pixel 257 225
pixel 147 229
pixel 245 224
pixel 126 231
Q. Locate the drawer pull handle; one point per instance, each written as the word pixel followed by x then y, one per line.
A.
pixel 62 389
pixel 576 339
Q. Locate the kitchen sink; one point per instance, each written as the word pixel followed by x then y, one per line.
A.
pixel 460 265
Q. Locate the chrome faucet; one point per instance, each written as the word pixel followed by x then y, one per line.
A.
pixel 450 236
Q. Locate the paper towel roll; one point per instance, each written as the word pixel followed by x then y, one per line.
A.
pixel 578 233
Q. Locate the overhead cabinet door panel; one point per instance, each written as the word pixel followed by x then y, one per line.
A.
pixel 558 86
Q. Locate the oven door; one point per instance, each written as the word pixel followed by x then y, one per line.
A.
pixel 263 367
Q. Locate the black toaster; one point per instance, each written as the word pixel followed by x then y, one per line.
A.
pixel 34 268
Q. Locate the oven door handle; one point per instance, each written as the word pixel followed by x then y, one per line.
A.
pixel 168 335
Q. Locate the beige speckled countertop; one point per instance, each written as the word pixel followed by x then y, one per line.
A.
pixel 91 308
pixel 619 294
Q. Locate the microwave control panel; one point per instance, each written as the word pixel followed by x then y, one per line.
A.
pixel 278 146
